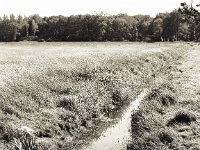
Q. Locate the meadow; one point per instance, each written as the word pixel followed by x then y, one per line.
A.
pixel 169 116
pixel 60 95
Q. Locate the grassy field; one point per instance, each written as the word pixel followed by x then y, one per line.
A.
pixel 58 95
pixel 169 117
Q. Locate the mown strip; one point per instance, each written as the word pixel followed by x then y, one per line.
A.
pixel 164 120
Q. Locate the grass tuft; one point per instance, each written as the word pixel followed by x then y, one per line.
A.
pixel 163 95
pixel 44 133
pixel 165 138
pixel 167 100
pixel 181 117
pixel 25 142
pixel 117 98
pixel 66 103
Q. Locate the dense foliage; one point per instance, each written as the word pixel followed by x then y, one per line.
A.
pixel 182 24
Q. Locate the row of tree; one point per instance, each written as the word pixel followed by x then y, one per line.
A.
pixel 182 24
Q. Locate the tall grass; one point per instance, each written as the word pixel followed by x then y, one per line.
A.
pixel 64 105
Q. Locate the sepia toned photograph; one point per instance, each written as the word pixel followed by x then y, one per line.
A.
pixel 99 74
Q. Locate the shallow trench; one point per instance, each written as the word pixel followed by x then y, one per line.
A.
pixel 117 136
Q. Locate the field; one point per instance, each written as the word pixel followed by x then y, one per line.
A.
pixel 62 95
pixel 169 116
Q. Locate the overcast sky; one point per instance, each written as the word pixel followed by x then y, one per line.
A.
pixel 73 7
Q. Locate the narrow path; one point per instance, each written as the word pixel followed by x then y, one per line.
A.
pixel 117 136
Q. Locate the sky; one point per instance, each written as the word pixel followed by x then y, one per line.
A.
pixel 74 7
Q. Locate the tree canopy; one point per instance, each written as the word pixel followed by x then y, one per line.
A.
pixel 181 24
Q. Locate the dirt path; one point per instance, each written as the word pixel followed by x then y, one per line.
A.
pixel 118 136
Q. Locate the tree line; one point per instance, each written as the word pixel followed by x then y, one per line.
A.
pixel 180 24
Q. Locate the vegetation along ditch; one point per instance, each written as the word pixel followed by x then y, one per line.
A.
pixel 61 108
pixel 168 117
